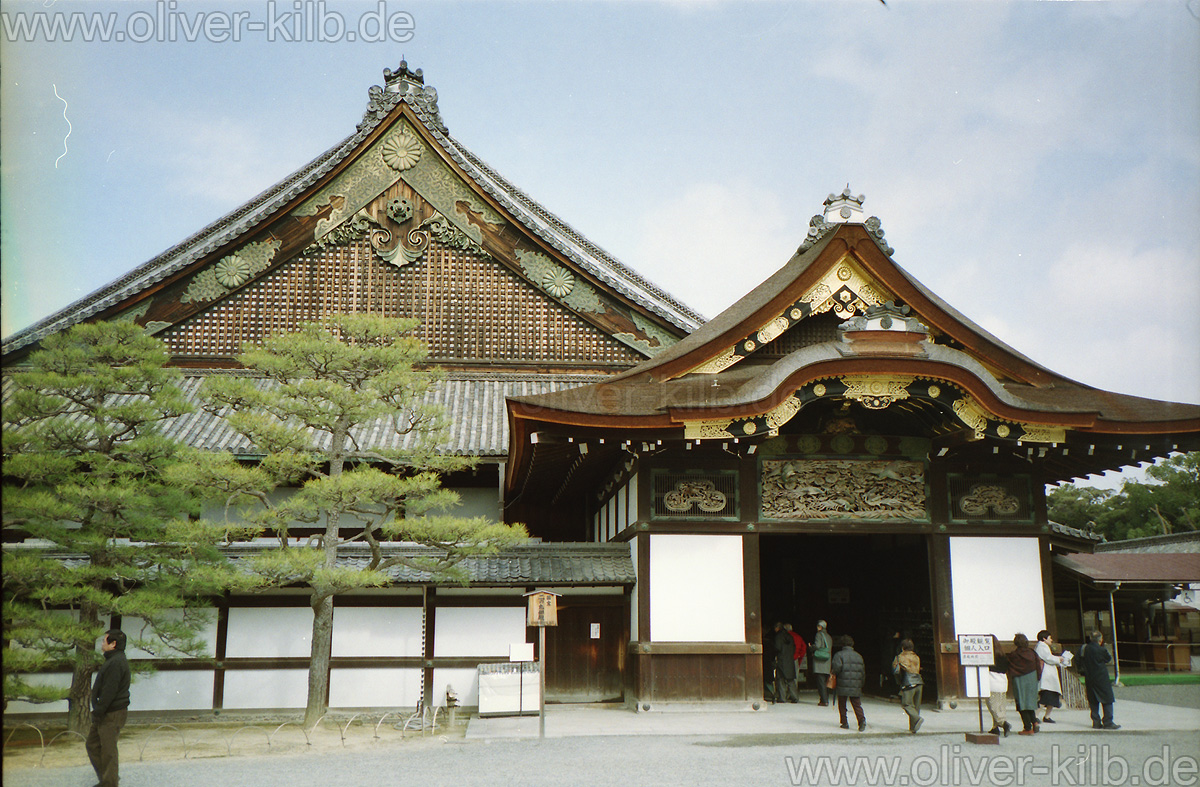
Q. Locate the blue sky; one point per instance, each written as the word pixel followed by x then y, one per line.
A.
pixel 1035 164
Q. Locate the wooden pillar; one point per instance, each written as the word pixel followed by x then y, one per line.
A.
pixel 429 614
pixel 753 614
pixel 218 701
pixel 948 682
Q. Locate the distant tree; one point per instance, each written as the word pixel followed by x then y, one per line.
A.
pixel 84 476
pixel 1170 504
pixel 319 393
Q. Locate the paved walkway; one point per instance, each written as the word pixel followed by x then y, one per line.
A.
pixel 883 718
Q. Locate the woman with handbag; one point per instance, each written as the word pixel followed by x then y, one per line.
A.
pixel 821 656
pixel 1023 669
pixel 907 669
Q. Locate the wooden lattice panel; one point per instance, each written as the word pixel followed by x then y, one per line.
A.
pixel 469 308
pixel 812 330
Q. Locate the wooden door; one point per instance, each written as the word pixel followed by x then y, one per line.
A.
pixel 585 652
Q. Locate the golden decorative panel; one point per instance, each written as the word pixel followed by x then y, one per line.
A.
pixel 806 489
pixel 875 392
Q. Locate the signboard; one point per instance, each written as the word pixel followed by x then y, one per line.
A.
pixel 975 650
pixel 543 608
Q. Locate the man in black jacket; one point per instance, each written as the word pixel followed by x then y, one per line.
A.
pixel 110 706
pixel 1094 659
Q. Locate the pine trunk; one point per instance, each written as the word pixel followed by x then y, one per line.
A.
pixel 79 700
pixel 318 665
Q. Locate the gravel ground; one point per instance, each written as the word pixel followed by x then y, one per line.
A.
pixel 1104 758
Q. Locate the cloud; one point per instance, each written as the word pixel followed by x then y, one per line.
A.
pixel 714 242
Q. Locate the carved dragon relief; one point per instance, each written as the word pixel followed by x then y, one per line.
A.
pixel 843 489
pixel 844 289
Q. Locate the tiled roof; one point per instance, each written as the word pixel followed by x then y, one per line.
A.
pixel 564 564
pixel 229 227
pixel 1134 567
pixel 1175 542
pixel 474 403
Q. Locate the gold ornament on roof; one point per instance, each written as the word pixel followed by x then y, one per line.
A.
pixel 401 152
pixel 876 393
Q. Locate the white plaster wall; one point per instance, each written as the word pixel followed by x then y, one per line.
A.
pixel 478 631
pixel 133 628
pixel 377 631
pixel 172 690
pixel 479 501
pixel 269 632
pixel 374 688
pixel 60 679
pixel 697 590
pixel 997 586
pixel 271 688
pixel 464 681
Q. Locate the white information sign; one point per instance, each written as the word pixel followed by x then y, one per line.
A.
pixel 975 650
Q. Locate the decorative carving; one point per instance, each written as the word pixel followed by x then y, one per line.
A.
pixel 983 497
pixel 720 363
pixel 442 188
pixel 722 429
pixel 971 414
pixel 543 271
pixel 401 152
pixel 232 270
pixel 874 228
pixel 1043 434
pixel 874 392
pixel 134 314
pixel 818 228
pixel 652 333
pixel 558 282
pixel 773 329
pixel 843 489
pixel 399 210
pixel 688 494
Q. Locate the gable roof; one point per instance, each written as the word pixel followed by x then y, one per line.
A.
pixel 1133 567
pixel 720 383
pixel 404 95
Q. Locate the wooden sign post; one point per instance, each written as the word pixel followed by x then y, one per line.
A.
pixel 543 611
pixel 975 650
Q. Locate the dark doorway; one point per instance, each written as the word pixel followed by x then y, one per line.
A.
pixel 585 651
pixel 867 586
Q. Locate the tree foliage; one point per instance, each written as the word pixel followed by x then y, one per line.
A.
pixel 339 413
pixel 85 478
pixel 1168 503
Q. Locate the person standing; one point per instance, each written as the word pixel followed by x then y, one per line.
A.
pixel 847 666
pixel 110 706
pixel 906 667
pixel 1049 683
pixel 785 666
pixel 998 690
pixel 822 656
pixel 801 648
pixel 1093 663
pixel 1023 665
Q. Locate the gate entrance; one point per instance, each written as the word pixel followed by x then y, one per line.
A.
pixel 871 587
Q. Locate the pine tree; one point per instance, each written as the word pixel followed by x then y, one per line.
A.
pixel 105 533
pixel 320 395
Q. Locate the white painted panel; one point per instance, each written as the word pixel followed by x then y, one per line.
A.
pixel 464 681
pixel 377 631
pixel 133 628
pixel 266 688
pixel 697 591
pixel 997 586
pixel 172 690
pixel 60 679
pixel 612 516
pixel 633 499
pixel 269 632
pixel 478 631
pixel 374 688
pixel 623 508
pixel 479 501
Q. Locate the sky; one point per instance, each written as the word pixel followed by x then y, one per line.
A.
pixel 1036 164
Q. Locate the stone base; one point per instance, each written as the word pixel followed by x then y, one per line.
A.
pixel 983 737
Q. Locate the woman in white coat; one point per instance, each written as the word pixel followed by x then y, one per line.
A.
pixel 1049 684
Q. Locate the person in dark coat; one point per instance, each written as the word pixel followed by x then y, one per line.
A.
pixel 1023 668
pixel 1093 663
pixel 110 706
pixel 785 666
pixel 851 675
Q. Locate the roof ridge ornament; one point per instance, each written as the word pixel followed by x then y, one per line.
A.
pixel 844 208
pixel 403 84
